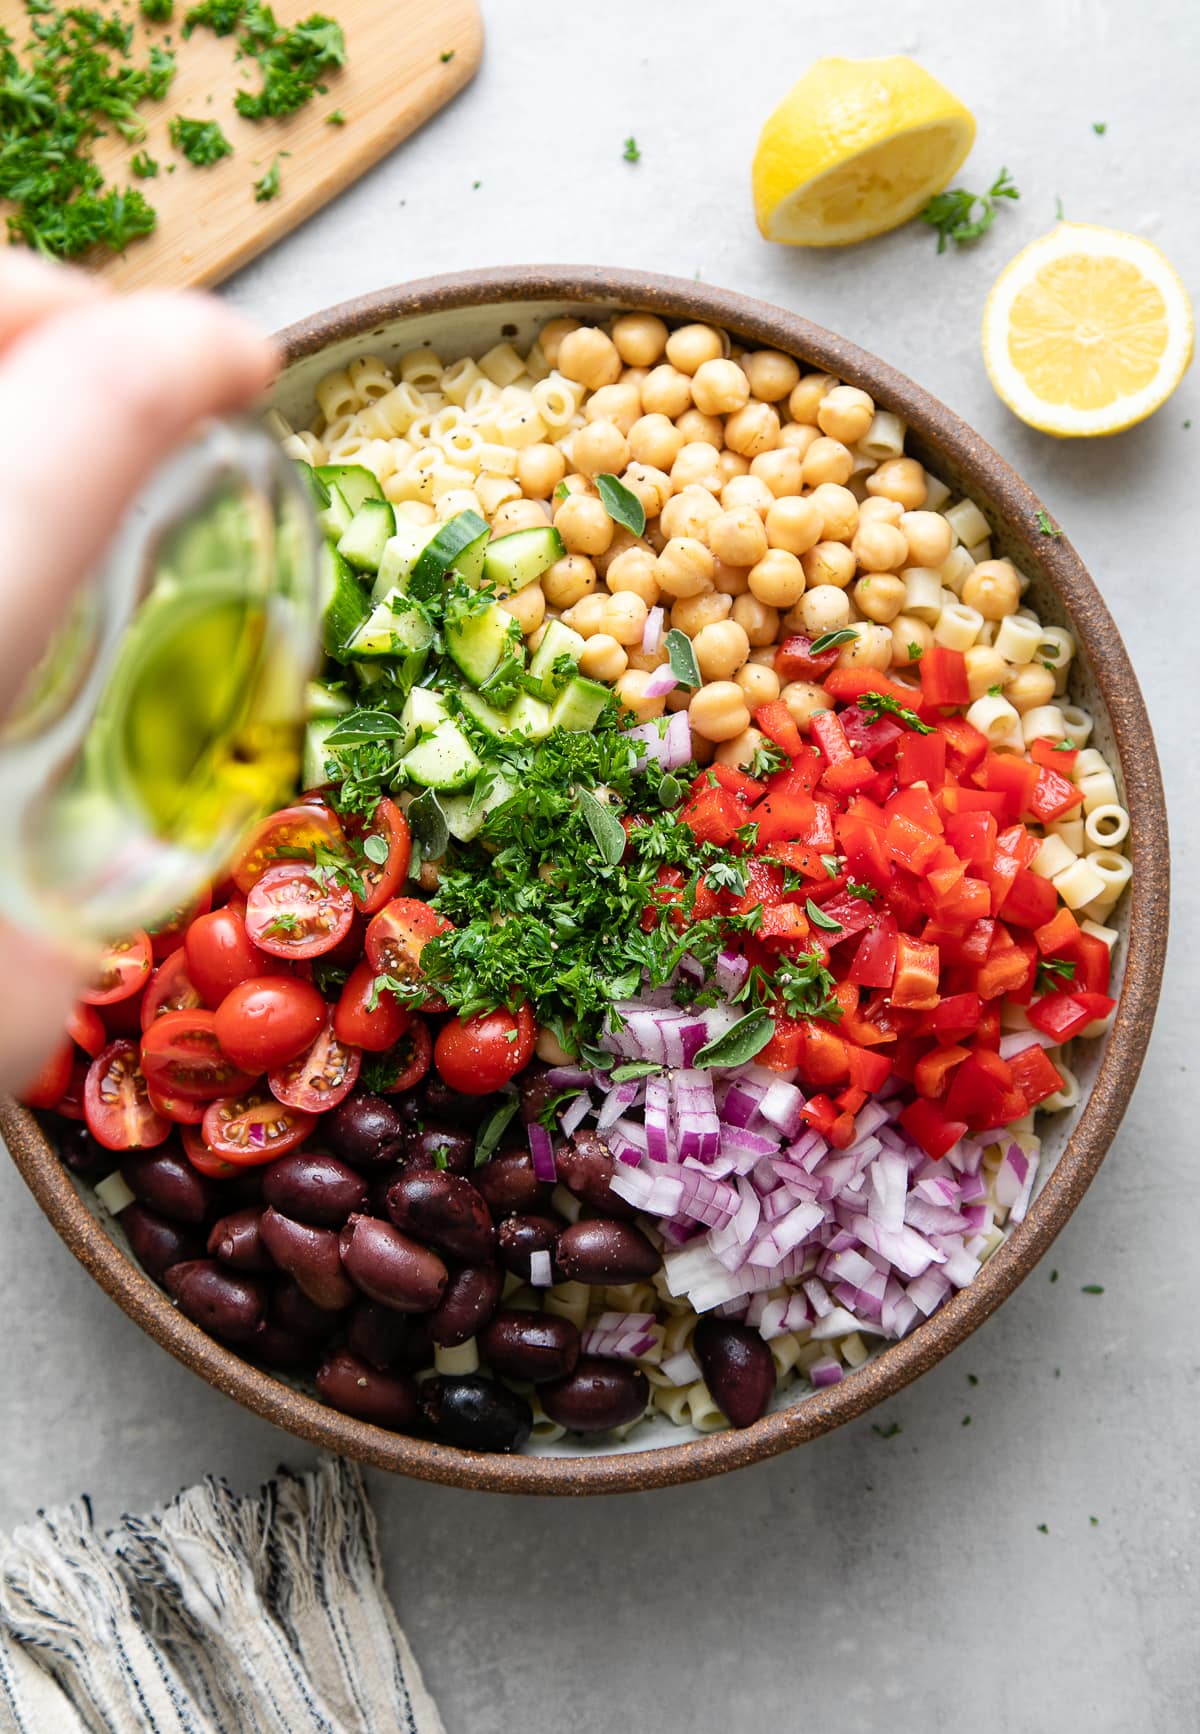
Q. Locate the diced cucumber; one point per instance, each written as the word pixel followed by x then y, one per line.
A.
pixel 493 722
pixel 559 640
pixel 344 604
pixel 315 488
pixel 444 550
pixel 511 562
pixel 399 557
pixel 480 643
pixel 366 537
pixel 530 717
pixel 325 701
pixel 465 814
pixel 335 516
pixel 314 773
pixel 354 481
pixel 579 705
pixel 444 760
pixel 394 627
pixel 423 712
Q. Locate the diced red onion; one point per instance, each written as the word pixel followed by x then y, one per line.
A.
pixel 619 1099
pixel 660 682
pixel 541 1150
pixel 824 1372
pixel 678 741
pixel 575 1113
pixel 680 1368
pixel 730 971
pixel 1017 1041
pixel 781 1106
pixel 1020 1209
pixel 658 1117
pixel 652 633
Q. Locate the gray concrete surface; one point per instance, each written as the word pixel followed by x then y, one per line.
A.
pixel 1031 1570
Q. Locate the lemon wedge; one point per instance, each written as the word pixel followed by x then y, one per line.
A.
pixel 855 148
pixel 1087 331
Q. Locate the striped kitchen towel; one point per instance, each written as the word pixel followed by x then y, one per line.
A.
pixel 216 1615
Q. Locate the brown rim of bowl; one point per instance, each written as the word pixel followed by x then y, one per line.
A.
pixel 901 1362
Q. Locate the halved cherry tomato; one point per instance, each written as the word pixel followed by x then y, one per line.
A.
pixel 181 1056
pixel 166 935
pixel 478 1055
pixel 53 1078
pixel 355 1022
pixel 220 953
pixel 86 1026
pixel 384 879
pixel 124 970
pixel 116 1103
pixel 411 1057
pixel 176 1108
pixel 206 1160
pixel 291 834
pixel 170 989
pixel 254 1128
pixel 268 1021
pixel 321 1078
pixel 290 912
pixel 396 938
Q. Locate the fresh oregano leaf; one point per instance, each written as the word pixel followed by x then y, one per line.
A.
pixel 493 1128
pixel 362 727
pixel 606 828
pixel 621 504
pixel 819 918
pixel 375 848
pixel 430 832
pixel 744 1039
pixel 634 1069
pixel 831 640
pixel 684 666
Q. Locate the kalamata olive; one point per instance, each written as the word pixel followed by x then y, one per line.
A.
pixel 519 1236
pixel 155 1242
pixel 445 1211
pixel 167 1182
pixel 472 1296
pixel 80 1152
pixel 738 1368
pixel 508 1183
pixel 309 1254
pixel 435 1145
pixel 586 1168
pixel 604 1252
pixel 443 1103
pixel 276 1347
pixel 290 1308
pixel 236 1240
pixel 535 1092
pixel 394 1342
pixel 531 1347
pixel 475 1413
pixel 313 1187
pixel 222 1301
pixel 598 1395
pixel 389 1267
pixel 243 1186
pixel 357 1388
pixel 366 1130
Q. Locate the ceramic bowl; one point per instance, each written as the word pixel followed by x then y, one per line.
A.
pixel 467 314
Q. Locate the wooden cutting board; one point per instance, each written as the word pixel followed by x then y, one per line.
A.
pixel 397 74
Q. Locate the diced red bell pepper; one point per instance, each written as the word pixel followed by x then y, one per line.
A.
pixel 1057 934
pixel 972 901
pixel 865 850
pixel 966 746
pixel 794 660
pixel 972 836
pixel 910 845
pixel 851 1099
pixel 746 788
pixel 777 723
pixel 819 1112
pixel 933 1070
pixel 822 1054
pixel 1063 1015
pixel 783 928
pixel 853 914
pixel 979 1091
pixel 988 1033
pixel 826 729
pixel 871 736
pixel 1019 842
pixel 843 1132
pixel 764 887
pixel 849 684
pixel 944 677
pixel 1053 797
pixel 1093 965
pixel 706 903
pixel 967 800
pixel 1034 1075
pixel 801 859
pixel 1055 755
pixel 856 1029
pixel 874 963
pixel 956 1016
pixel 820 831
pixel 921 759
pixel 847 776
pixel 927 1126
pixel 942 885
pixel 1002 876
pixel 918 965
pixel 1013 777
pixel 1007 970
pixel 917 805
pixel 965 945
pixel 1031 900
pixel 668 890
pixel 869 1071
pixel 714 816
pixel 784 815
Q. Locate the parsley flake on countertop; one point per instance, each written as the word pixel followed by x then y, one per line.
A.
pixel 631 153
pixel 201 141
pixel 954 215
pixel 268 186
pixel 1045 525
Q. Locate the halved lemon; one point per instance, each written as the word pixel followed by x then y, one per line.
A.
pixel 1088 331
pixel 855 148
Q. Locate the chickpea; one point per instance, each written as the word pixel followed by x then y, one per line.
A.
pixel 879 547
pixel 871 648
pixel 911 638
pixel 634 376
pixel 900 479
pixel 647 661
pixel 824 608
pixel 599 448
pixel 772 374
pixel 635 569
pixel 620 404
pixel 752 430
pixel 689 513
pixel 838 509
pixel 718 711
pixel 807 394
pixel 698 465
pixel 804 699
pixel 740 751
pixel 760 684
pixel 698 427
pixel 654 439
pixel 623 541
pixel 721 649
pixel 679 699
pixel 691 614
pixel 692 345
pixel 746 490
pixel 828 563
pixel 666 391
pixel 845 414
pixel 994 588
pixel 652 487
pixel 733 466
pixel 794 524
pixel 880 597
pixel 1029 686
pixel 738 537
pixel 518 515
pixel 569 580
pixel 641 338
pixel 589 357
pixel 778 579
pixel 719 387
pixel 527 607
pixel 875 509
pixel 551 336
pixel 624 617
pixel 540 468
pixel 603 658
pixel 583 524
pixel 780 471
pixel 827 460
pixel 631 694
pixel 764 655
pixel 730 580
pixel 758 621
pixel 929 536
pixel 587 616
pixel 797 436
pixel 549 1048
pixel 685 567
pixel 985 668
pixel 574 483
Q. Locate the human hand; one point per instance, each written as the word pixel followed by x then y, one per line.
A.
pixel 95 390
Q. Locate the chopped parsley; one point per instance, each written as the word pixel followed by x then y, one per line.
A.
pixel 143 165
pixel 446 56
pixel 157 11
pixel 1092 1288
pixel 859 888
pixel 892 1429
pixel 1053 973
pixel 337 118
pixel 201 141
pixel 915 651
pixel 268 186
pixel 883 701
pixel 631 153
pixel 766 760
pixel 1100 127
pixel 1045 525
pixel 1043 1529
pixel 961 216
pixel 1066 745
